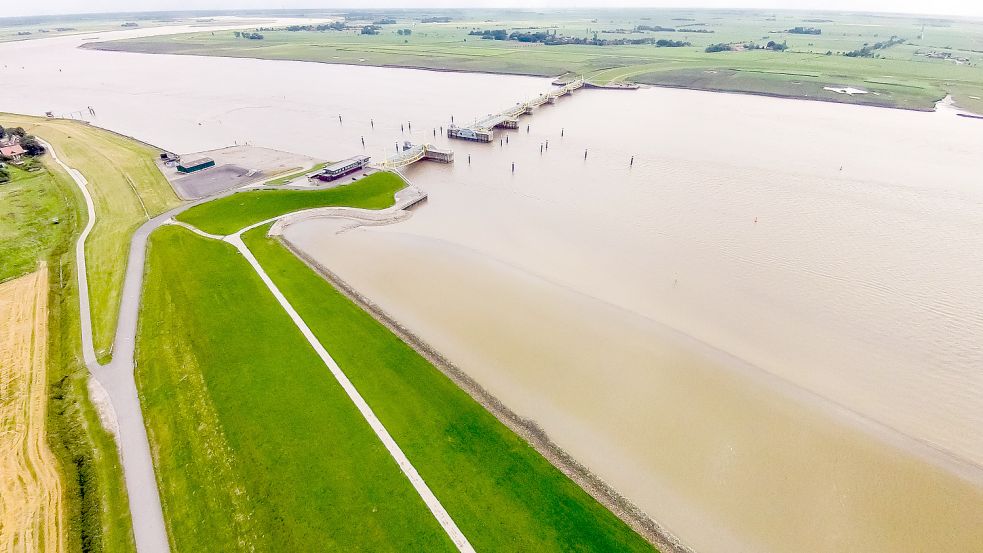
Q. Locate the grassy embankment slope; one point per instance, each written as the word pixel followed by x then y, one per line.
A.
pixel 278 429
pixel 273 456
pixel 902 77
pixel 98 517
pixel 127 189
pixel 232 213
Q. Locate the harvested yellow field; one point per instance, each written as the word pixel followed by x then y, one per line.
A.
pixel 32 517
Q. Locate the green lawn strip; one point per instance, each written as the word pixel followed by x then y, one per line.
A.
pixel 501 492
pixel 256 445
pixel 295 175
pixel 98 515
pixel 127 188
pixel 232 213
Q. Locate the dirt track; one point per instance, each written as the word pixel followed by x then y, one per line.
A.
pixel 32 514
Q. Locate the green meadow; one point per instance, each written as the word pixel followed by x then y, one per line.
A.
pixel 256 446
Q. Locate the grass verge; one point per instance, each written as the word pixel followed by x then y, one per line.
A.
pixel 501 492
pixel 256 445
pixel 127 189
pixel 232 213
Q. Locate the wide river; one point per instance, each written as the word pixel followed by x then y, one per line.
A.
pixel 767 332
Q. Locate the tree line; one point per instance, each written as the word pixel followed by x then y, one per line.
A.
pixel 553 39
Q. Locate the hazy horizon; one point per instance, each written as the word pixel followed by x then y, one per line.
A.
pixel 957 8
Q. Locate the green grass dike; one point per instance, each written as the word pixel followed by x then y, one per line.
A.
pixel 500 491
pixel 232 213
pixel 256 446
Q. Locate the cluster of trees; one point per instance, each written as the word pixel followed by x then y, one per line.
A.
pixel 31 145
pixel 538 36
pixel 552 39
pixel 385 21
pixel 868 50
pixel 497 34
pixel 719 47
pixel 335 26
pixel 654 29
pixel 371 29
pixel 435 20
pixel 805 31
pixel 404 32
pixel 250 36
pixel 664 43
pixel 724 47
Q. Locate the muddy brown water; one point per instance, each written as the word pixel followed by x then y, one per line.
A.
pixel 766 332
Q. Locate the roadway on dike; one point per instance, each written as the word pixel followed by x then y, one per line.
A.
pixel 118 380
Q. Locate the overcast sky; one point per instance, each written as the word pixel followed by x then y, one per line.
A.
pixel 50 7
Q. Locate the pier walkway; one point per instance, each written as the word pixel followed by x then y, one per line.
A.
pixel 482 130
pixel 415 152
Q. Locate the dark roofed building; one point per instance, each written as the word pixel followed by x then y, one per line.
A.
pixel 196 165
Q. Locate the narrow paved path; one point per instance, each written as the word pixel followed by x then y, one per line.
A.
pixel 445 520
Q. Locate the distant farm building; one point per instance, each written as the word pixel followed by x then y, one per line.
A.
pixel 13 152
pixel 196 165
pixel 341 168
